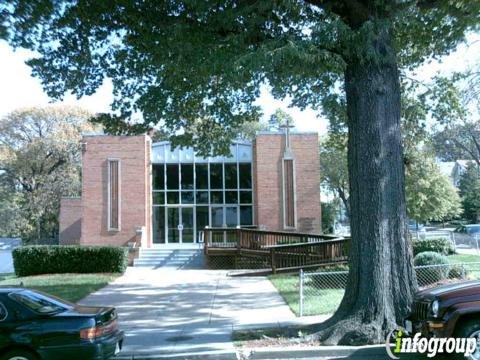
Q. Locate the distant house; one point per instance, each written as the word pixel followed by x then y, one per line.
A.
pixel 454 169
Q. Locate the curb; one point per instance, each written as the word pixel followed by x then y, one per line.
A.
pixel 208 355
pixel 265 353
pixel 314 352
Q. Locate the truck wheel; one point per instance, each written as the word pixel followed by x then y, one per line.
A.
pixel 470 329
pixel 19 354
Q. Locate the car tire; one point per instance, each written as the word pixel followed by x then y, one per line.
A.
pixel 469 329
pixel 19 354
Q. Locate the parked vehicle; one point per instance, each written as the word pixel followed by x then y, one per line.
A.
pixel 467 235
pixel 446 311
pixel 35 326
pixel 414 225
pixel 471 229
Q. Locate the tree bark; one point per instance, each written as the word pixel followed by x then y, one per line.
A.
pixel 381 280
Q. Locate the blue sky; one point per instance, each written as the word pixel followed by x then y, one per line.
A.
pixel 19 89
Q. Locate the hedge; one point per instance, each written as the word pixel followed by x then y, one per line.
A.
pixel 58 259
pixel 439 245
pixel 434 274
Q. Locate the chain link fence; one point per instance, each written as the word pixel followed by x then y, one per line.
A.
pixel 320 293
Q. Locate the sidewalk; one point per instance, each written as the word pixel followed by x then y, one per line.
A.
pixel 168 312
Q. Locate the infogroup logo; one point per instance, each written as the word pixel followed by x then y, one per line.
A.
pixel 398 343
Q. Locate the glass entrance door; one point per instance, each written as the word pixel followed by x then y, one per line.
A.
pixel 188 231
pixel 173 222
pixel 180 225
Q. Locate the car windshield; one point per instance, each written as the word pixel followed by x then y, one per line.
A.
pixel 38 303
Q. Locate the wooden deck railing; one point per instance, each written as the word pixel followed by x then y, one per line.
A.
pixel 283 249
pixel 308 254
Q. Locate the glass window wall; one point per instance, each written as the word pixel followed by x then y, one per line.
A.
pixel 189 195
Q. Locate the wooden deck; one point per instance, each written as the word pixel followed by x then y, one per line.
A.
pixel 282 251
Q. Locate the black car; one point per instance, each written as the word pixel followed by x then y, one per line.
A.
pixel 37 326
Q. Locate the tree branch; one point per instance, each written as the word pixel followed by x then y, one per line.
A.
pixel 353 12
pixel 477 145
pixel 466 149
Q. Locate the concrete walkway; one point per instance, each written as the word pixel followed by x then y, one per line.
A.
pixel 167 311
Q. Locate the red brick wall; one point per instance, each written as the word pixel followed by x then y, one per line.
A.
pixel 70 221
pixel 267 164
pixel 133 153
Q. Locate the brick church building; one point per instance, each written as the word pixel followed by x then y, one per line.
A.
pixel 134 191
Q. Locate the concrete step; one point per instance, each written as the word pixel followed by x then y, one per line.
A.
pixel 169 258
pixel 170 253
pixel 153 259
pixel 180 258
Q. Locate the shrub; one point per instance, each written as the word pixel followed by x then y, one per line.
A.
pixel 57 259
pixel 439 245
pixel 457 272
pixel 433 274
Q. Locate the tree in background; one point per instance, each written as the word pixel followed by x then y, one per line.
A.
pixel 40 163
pixel 457 135
pixel 431 195
pixel 459 141
pixel 334 168
pixel 470 192
pixel 330 212
pixel 11 220
pixel 179 61
pixel 279 119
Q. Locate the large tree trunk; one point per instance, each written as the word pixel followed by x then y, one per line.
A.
pixel 381 281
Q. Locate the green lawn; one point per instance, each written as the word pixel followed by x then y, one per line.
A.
pixel 72 287
pixel 317 301
pixel 460 258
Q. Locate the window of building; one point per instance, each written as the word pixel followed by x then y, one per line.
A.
pixel 245 175
pixel 202 217
pixel 216 197
pixel 214 191
pixel 201 176
pixel 172 177
pixel 113 194
pixel 158 177
pixel 202 197
pixel 246 197
pixel 187 176
pixel 231 216
pixel 173 197
pixel 159 224
pixel 231 197
pixel 216 176
pixel 231 176
pixel 246 215
pixel 158 198
pixel 187 197
pixel 288 193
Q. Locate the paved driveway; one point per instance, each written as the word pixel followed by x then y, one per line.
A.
pixel 185 311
